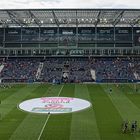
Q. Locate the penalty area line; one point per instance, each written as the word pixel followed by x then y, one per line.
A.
pixel 48 118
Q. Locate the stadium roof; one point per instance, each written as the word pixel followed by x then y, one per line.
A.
pixel 69 17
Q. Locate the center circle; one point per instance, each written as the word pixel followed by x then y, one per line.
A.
pixel 54 105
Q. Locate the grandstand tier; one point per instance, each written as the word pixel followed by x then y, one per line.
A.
pixel 70 70
pixel 70 45
pixel 69 32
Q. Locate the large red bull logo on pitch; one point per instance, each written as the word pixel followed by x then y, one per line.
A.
pixel 54 105
pixel 53 108
pixel 56 100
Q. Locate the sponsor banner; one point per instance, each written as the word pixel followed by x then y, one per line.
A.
pixel 54 105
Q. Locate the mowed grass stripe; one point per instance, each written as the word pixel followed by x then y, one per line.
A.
pixel 13 119
pixel 32 124
pixel 127 88
pixel 58 127
pixel 83 125
pixel 127 110
pixel 10 102
pixel 4 93
pixel 135 98
pixel 7 123
pixel 11 86
pixel 134 86
pixel 107 117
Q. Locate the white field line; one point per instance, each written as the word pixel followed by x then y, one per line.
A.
pixel 48 117
pixel 60 90
pixel 43 127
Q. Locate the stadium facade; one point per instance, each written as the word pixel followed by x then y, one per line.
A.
pixel 70 32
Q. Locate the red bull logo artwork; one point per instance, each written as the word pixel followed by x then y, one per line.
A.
pixel 54 105
pixel 53 108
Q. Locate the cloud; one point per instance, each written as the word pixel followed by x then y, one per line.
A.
pixel 24 4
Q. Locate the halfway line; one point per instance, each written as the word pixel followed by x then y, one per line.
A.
pixel 48 117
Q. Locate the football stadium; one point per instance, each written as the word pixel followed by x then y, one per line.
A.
pixel 69 74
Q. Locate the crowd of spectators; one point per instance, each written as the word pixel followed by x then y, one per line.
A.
pixel 116 68
pixel 79 70
pixel 24 69
pixel 76 69
pixel 52 69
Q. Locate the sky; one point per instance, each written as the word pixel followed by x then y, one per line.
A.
pixel 26 4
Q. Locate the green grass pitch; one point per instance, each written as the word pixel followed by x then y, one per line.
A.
pixel 102 121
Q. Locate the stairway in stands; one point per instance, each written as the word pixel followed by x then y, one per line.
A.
pixel 1 68
pixel 93 74
pixel 40 68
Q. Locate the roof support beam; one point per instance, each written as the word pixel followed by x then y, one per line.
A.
pixel 55 18
pixel 14 18
pixel 27 17
pixel 98 18
pixel 117 19
pixel 137 20
pixel 36 20
pixel 77 18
